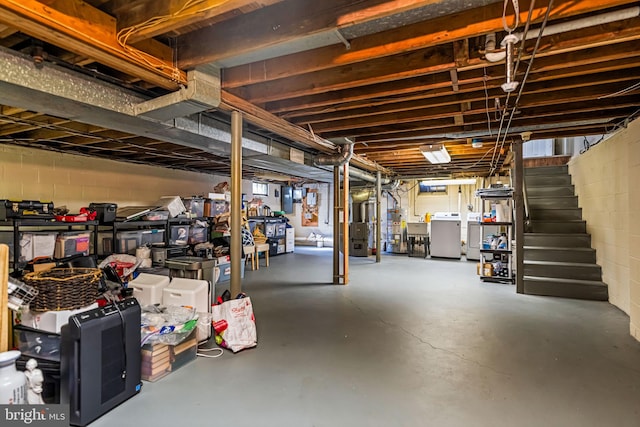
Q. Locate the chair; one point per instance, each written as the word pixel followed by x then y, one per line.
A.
pixel 250 254
pixel 262 247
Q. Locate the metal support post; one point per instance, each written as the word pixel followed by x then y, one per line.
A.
pixel 345 223
pixel 336 225
pixel 378 213
pixel 236 203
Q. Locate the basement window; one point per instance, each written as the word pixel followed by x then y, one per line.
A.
pixel 432 189
pixel 260 189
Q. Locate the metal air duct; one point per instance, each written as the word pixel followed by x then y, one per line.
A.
pixel 201 94
pixel 338 159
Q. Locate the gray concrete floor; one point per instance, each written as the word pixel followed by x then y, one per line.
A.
pixel 409 342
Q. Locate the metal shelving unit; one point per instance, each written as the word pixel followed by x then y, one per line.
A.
pixel 496 264
pixel 17 226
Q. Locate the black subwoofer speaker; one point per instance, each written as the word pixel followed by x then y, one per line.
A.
pixel 100 360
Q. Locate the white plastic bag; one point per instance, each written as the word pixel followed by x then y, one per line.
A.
pixel 235 324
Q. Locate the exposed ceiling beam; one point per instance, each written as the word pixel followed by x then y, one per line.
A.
pixel 168 16
pixel 417 102
pixel 268 121
pixel 88 32
pixel 401 66
pixel 439 83
pixel 462 25
pixel 281 23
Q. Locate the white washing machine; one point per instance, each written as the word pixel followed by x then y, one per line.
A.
pixel 446 235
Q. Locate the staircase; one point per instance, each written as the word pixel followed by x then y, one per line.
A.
pixel 558 258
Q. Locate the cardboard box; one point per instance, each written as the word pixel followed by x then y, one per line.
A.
pixel 487 269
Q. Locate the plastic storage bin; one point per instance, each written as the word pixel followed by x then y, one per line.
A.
pixel 194 293
pixel 69 244
pixel 37 343
pixel 147 288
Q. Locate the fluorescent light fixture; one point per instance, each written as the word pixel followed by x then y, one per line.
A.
pixel 436 153
pixel 458 181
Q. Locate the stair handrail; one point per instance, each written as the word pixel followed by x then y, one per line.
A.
pixel 526 200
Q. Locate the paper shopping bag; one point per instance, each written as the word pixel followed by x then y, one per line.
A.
pixel 235 324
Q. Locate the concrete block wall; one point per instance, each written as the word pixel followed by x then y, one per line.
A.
pixel 75 181
pixel 325 214
pixel 605 178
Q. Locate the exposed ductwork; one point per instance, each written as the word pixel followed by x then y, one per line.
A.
pixel 337 159
pixel 202 93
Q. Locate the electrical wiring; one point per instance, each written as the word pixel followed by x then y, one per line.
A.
pixel 622 91
pixel 517 64
pixel 491 150
pixel 486 99
pixel 125 33
pixel 586 145
pixel 201 351
pixel 133 53
pixel 526 75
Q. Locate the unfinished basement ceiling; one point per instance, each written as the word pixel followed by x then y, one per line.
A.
pixel 389 75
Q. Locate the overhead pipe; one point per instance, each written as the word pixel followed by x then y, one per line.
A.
pixel 335 160
pixel 606 18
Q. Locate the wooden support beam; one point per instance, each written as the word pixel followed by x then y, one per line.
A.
pixel 177 18
pixel 454 79
pixel 461 52
pixel 348 77
pixel 268 121
pixel 91 33
pixel 624 55
pixel 462 25
pixel 282 23
pixel 5 314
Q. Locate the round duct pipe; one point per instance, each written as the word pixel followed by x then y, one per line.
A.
pixel 338 159
pixel 361 195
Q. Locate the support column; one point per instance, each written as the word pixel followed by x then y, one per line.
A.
pixel 345 223
pixel 378 213
pixel 519 219
pixel 236 203
pixel 336 225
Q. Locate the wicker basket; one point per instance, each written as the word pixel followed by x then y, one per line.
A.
pixel 64 288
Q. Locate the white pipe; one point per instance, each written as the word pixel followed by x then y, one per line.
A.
pixel 490 42
pixel 582 23
pixel 490 49
pixel 564 27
